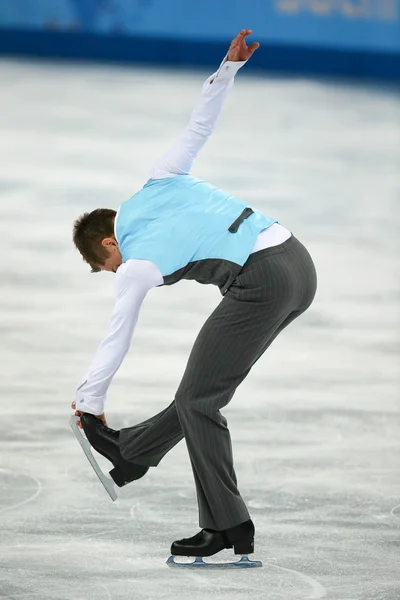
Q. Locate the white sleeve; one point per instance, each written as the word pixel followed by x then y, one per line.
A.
pixel 132 282
pixel 179 158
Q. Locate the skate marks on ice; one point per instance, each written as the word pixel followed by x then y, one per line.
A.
pixel 395 512
pixel 317 590
pixel 17 484
pixel 99 591
pixel 105 588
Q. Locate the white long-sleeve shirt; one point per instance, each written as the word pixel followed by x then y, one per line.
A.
pixel 135 278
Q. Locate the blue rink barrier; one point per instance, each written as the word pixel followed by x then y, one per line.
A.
pixel 341 37
pixel 273 58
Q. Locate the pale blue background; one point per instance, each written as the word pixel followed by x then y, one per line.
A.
pixel 347 24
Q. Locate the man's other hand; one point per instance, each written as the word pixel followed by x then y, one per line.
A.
pixel 239 50
pixel 78 413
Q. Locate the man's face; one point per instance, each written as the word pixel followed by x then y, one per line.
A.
pixel 114 259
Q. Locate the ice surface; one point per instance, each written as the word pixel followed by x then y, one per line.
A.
pixel 315 426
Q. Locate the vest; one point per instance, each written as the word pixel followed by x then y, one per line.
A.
pixel 189 229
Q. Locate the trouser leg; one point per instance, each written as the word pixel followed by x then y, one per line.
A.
pixel 268 296
pixel 148 442
pixel 228 345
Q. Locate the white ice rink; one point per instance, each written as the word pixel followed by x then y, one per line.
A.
pixel 315 426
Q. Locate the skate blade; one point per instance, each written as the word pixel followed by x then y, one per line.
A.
pixel 243 563
pixel 107 483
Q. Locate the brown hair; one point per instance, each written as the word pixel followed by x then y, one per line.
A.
pixel 89 231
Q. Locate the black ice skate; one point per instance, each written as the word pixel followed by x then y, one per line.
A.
pixel 208 542
pixel 106 442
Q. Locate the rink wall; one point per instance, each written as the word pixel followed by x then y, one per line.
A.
pixel 349 37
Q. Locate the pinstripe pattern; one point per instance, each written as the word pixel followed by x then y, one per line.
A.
pixel 274 287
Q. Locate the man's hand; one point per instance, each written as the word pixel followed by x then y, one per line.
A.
pixel 78 413
pixel 239 50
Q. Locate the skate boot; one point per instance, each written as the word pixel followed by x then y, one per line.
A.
pixel 205 543
pixel 106 442
pixel 209 541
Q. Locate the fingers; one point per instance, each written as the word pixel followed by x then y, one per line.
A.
pixel 239 39
pixel 241 36
pixel 79 413
pixel 253 47
pixel 239 49
pixel 244 32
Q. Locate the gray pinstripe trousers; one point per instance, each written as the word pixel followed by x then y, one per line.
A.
pixel 274 287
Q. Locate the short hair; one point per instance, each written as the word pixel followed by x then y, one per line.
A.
pixel 89 231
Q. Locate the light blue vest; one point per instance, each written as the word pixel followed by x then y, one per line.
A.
pixel 181 220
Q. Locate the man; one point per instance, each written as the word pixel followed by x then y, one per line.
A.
pixel 179 227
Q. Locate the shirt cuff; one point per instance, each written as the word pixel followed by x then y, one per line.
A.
pixel 93 405
pixel 229 69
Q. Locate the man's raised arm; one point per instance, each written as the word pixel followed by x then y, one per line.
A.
pixel 179 158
